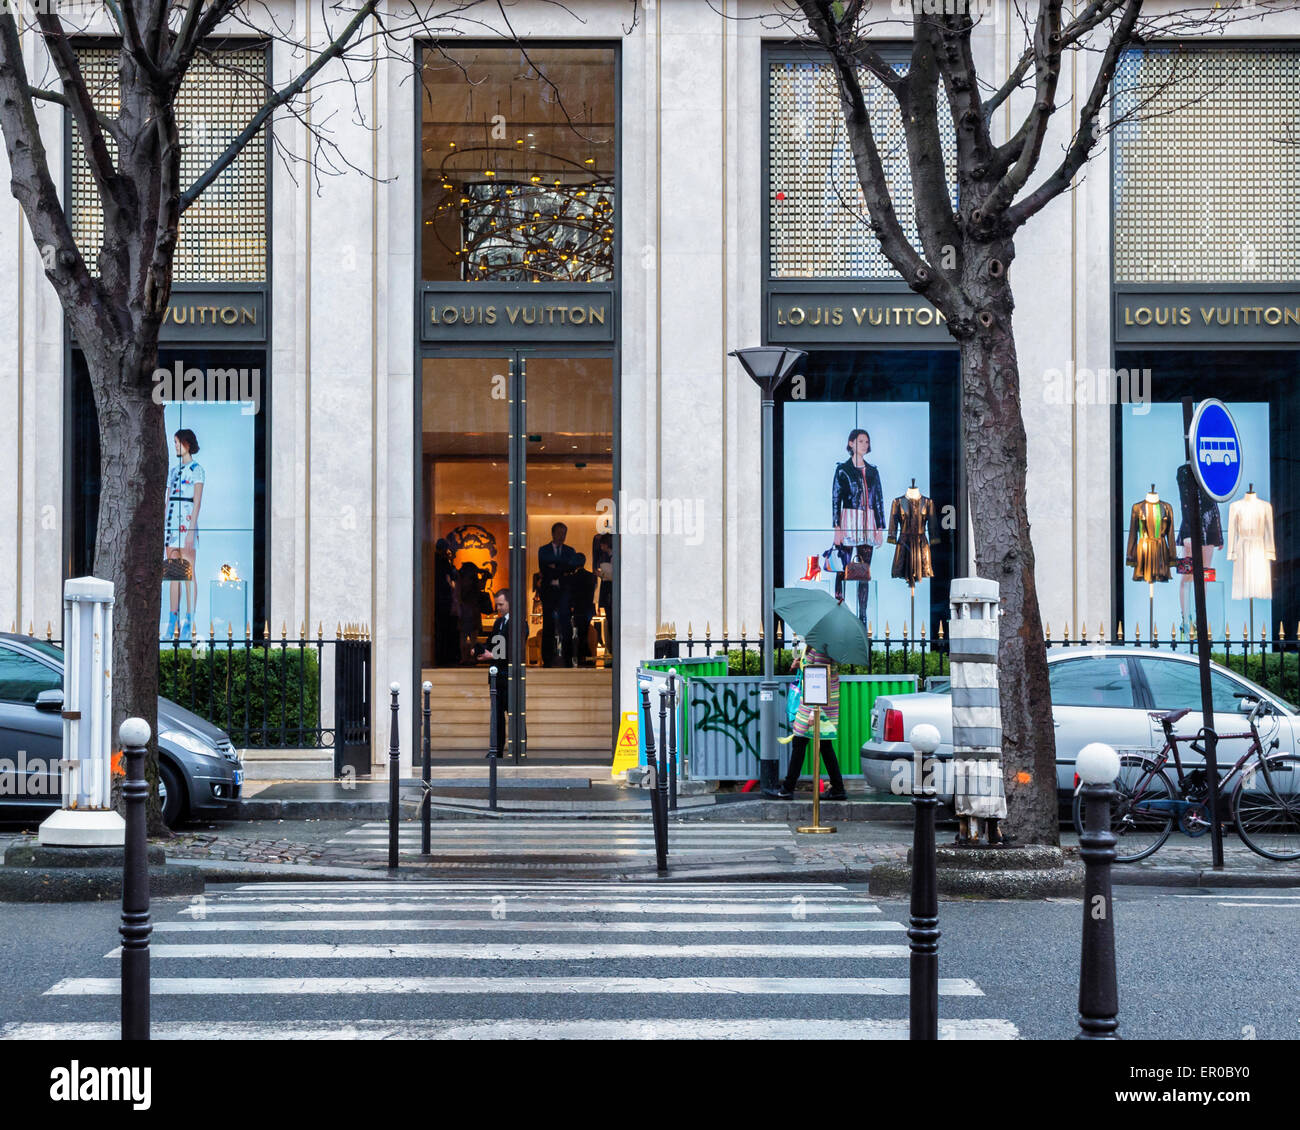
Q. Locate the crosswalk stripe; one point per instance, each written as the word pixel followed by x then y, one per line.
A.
pixel 363 906
pixel 466 986
pixel 506 925
pixel 581 827
pixel 604 1029
pixel 667 896
pixel 482 951
pixel 1252 895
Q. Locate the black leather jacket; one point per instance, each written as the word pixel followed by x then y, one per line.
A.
pixel 847 488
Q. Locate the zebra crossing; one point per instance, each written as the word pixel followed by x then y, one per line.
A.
pixel 542 959
pixel 587 841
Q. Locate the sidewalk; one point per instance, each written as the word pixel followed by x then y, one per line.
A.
pixel 274 849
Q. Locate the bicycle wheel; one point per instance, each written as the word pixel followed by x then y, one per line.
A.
pixel 1266 808
pixel 1139 828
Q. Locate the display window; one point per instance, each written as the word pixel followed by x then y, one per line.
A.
pixel 212 537
pixel 1248 548
pixel 868 484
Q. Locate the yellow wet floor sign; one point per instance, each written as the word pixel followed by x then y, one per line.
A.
pixel 625 749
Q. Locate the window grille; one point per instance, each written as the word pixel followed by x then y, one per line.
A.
pixel 819 227
pixel 223 234
pixel 1207 173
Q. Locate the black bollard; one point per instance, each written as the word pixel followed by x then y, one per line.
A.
pixel 135 928
pixel 923 928
pixel 1098 766
pixel 495 737
pixel 656 817
pixel 394 781
pixel 426 814
pixel 672 740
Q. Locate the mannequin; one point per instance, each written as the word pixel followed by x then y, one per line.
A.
pixel 1150 544
pixel 911 531
pixel 1250 545
pixel 1192 501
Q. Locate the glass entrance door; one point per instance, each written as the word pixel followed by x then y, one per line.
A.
pixel 516 476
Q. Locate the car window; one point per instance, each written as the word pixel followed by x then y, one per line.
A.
pixel 22 678
pixel 1101 680
pixel 1176 685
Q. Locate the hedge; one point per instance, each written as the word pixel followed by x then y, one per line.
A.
pixel 276 689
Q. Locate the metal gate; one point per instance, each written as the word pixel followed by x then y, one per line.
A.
pixel 352 708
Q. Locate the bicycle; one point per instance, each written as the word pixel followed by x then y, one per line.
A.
pixel 1261 791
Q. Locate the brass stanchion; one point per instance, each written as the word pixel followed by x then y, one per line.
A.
pixel 816 826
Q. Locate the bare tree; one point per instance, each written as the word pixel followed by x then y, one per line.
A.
pixel 966 248
pixel 115 306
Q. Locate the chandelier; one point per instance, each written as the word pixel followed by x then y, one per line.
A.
pixel 556 228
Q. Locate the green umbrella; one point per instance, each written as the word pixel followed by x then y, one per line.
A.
pixel 824 623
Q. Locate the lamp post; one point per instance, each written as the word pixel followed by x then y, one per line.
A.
pixel 1098 766
pixel 768 366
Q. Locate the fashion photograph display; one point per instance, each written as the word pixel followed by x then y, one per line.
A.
pixel 850 454
pixel 208 521
pixel 1153 452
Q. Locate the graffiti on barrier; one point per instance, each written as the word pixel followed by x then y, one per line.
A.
pixel 731 711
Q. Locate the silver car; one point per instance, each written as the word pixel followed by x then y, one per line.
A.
pixel 1099 694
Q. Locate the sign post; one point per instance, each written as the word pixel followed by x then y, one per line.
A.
pixel 1213 452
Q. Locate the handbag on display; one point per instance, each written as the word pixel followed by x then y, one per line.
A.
pixel 832 562
pixel 857 571
pixel 177 569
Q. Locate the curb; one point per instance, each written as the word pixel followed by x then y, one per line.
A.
pixel 88 884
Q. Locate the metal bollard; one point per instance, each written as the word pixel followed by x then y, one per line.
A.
pixel 656 817
pixel 394 781
pixel 135 928
pixel 1097 766
pixel 923 928
pixel 661 785
pixel 426 814
pixel 672 739
pixel 495 737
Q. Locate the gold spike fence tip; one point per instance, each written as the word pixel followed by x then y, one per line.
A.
pixel 690 630
pixel 230 631
pixel 941 623
pixel 31 628
pixel 1101 631
pixel 302 630
pixel 284 630
pixel 49 631
pixel 1067 630
pixel 923 629
pixel 886 629
pixel 212 630
pixel 338 629
pixel 1281 631
pixel 320 629
pixel 266 629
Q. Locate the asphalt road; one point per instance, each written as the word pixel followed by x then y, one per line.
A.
pixel 597 959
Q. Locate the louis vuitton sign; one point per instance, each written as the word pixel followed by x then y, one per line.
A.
pixel 815 314
pixel 210 314
pixel 1228 315
pixel 517 313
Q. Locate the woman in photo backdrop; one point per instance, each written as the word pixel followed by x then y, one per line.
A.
pixel 181 533
pixel 857 514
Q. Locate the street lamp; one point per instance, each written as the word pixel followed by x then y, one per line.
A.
pixel 768 366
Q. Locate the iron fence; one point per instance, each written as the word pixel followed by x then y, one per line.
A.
pixel 1272 662
pixel 272 693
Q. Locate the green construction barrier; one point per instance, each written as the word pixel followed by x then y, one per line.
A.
pixel 858 694
pixel 695 667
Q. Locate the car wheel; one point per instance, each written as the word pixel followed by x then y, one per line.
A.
pixel 171 793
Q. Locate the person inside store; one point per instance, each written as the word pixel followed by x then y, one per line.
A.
pixel 445 625
pixel 602 559
pixel 557 564
pixel 801 728
pixel 500 653
pixel 469 610
pixel 584 610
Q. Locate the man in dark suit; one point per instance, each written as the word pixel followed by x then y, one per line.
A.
pixel 557 563
pixel 499 653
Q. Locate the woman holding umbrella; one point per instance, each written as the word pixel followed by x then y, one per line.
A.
pixel 802 726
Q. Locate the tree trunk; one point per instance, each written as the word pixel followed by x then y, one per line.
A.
pixel 995 447
pixel 129 534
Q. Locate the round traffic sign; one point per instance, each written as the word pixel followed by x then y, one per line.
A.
pixel 1216 450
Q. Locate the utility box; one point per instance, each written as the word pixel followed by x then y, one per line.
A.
pixel 979 790
pixel 87 818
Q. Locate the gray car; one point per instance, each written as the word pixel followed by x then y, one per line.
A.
pixel 1099 694
pixel 200 771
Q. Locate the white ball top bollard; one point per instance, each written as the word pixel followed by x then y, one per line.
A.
pixel 1097 764
pixel 426 686
pixel 925 738
pixel 491 671
pixel 394 686
pixel 134 732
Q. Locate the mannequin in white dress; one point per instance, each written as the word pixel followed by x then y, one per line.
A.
pixel 1250 547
